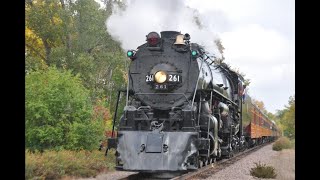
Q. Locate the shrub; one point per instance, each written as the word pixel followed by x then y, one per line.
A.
pixel 59 113
pixel 282 143
pixel 263 171
pixel 57 164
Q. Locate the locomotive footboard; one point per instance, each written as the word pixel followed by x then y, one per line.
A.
pixel 154 151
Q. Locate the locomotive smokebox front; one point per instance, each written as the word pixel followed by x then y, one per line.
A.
pixel 161 71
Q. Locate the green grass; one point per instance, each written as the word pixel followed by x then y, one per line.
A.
pixel 283 143
pixel 58 164
pixel 263 171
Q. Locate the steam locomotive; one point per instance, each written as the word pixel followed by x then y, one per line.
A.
pixel 183 110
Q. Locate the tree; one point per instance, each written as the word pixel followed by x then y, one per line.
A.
pixel 59 114
pixel 288 118
pixel 271 116
pixel 43 27
pixel 260 105
pixel 73 35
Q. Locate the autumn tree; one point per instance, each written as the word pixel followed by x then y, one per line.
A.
pixel 260 105
pixel 44 27
pixel 72 37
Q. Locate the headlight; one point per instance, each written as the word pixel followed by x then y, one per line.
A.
pixel 160 77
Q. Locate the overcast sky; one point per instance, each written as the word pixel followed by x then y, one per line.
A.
pixel 258 36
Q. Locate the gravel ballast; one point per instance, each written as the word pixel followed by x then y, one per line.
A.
pixel 283 162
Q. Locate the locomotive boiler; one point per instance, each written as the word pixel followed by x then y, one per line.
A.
pixel 183 110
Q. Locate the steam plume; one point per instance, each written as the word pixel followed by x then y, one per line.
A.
pixel 131 25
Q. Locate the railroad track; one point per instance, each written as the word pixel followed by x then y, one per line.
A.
pixel 203 172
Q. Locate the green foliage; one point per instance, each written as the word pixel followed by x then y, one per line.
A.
pixel 287 118
pixel 34 63
pixel 59 58
pixel 58 164
pixel 58 112
pixel 270 115
pixel 263 171
pixel 72 35
pixel 85 135
pixel 282 143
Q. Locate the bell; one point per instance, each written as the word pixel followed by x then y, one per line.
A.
pixel 179 39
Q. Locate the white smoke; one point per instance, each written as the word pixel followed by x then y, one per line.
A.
pixel 130 26
pixel 258 36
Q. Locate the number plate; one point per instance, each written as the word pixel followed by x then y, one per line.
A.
pixel 175 78
pixel 160 86
pixel 172 78
pixel 149 78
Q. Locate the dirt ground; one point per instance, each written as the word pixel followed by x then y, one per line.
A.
pixel 284 163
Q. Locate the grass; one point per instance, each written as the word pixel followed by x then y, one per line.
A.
pixel 283 143
pixel 263 171
pixel 59 164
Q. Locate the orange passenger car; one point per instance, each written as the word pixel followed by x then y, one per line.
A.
pixel 257 126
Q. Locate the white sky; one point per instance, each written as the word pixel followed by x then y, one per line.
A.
pixel 259 39
pixel 258 36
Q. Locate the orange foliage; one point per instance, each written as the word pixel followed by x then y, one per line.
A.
pixel 101 112
pixel 109 133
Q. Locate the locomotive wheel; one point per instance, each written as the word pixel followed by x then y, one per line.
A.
pixel 206 162
pixel 230 155
pixel 200 163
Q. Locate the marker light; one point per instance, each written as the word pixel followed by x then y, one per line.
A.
pixel 160 77
pixel 129 53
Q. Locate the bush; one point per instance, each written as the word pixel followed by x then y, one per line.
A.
pixel 59 113
pixel 57 164
pixel 85 135
pixel 282 143
pixel 263 171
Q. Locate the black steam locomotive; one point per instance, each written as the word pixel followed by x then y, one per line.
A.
pixel 182 110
